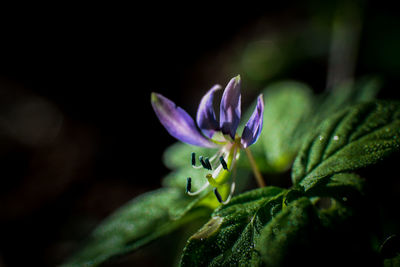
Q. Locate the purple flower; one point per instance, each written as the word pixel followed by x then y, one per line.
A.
pixel 213 133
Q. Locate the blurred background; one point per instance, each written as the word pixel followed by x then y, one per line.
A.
pixel 78 137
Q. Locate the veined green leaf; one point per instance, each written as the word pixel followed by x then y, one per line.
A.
pixel 303 234
pixel 140 221
pixel 288 232
pixel 341 186
pixel 352 139
pixel 228 238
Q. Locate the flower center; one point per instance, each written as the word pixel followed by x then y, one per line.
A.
pixel 222 164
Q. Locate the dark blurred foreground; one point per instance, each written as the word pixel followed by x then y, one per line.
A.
pixel 78 137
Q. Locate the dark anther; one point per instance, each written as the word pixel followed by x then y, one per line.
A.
pixel 193 158
pixel 207 161
pixel 223 163
pixel 203 163
pixel 188 184
pixel 218 195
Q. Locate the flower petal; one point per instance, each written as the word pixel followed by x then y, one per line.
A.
pixel 230 107
pixel 253 127
pixel 205 113
pixel 178 122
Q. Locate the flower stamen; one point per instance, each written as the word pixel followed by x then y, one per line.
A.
pixel 200 190
pixel 188 185
pixel 203 163
pixel 194 161
pixel 211 180
pixel 207 161
pixel 223 163
pixel 218 195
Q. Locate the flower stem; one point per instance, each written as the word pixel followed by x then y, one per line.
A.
pixel 256 171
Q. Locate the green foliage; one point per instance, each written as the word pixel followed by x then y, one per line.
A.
pixel 290 230
pixel 135 224
pixel 291 113
pixel 298 221
pixel 352 139
pixel 342 186
pixel 275 227
pixel 287 105
pixel 329 140
pixel 156 213
pixel 228 238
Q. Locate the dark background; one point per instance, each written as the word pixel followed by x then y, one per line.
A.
pixel 78 137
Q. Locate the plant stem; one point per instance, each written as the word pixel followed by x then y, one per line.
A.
pixel 256 171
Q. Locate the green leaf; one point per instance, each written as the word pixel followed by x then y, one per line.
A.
pixel 349 140
pixel 287 104
pixel 228 238
pixel 291 111
pixel 304 235
pixel 341 186
pixel 292 229
pixel 366 89
pixel 140 221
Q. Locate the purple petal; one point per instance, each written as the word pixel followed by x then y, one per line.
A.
pixel 253 127
pixel 178 122
pixel 230 107
pixel 205 113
